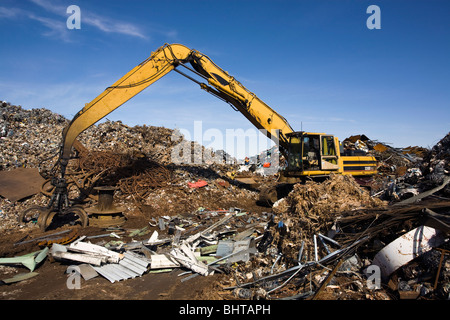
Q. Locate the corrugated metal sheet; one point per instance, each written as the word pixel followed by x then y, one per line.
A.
pixel 110 264
pixel 131 266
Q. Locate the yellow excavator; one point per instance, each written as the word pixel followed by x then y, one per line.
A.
pixel 308 154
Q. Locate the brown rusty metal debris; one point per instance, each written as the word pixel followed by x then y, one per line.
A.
pixel 133 175
pixel 73 234
pixel 101 160
pixel 20 183
pixel 61 237
pixel 141 185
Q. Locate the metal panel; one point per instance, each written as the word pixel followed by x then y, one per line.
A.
pixel 86 247
pixel 224 248
pixel 130 266
pixel 97 261
pixel 20 183
pixel 406 248
pixel 136 259
pixel 118 272
pixel 163 261
pixel 126 271
pixel 105 274
pixel 87 271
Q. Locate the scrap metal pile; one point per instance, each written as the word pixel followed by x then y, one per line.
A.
pixel 404 172
pixel 135 160
pixel 328 240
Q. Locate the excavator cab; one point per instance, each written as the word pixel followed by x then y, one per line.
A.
pixel 312 152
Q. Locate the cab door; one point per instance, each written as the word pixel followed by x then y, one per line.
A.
pixel 329 155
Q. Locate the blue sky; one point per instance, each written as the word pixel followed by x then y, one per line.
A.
pixel 314 62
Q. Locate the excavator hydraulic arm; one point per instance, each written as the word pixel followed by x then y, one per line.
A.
pixel 161 62
pixel 170 57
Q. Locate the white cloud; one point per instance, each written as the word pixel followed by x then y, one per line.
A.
pixel 110 26
pixel 104 24
pixel 56 28
pixel 10 12
pixel 52 7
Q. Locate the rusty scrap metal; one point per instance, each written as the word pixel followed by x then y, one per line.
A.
pixel 443 253
pixel 105 203
pixel 327 280
pixel 61 239
pixel 20 183
pixel 375 221
pixel 136 177
pixel 101 160
pixel 132 176
pixel 141 185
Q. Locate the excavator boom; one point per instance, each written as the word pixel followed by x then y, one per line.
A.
pixel 160 63
pixel 308 154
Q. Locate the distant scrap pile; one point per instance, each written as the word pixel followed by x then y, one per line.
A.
pixel 404 172
pixel 436 163
pixel 393 160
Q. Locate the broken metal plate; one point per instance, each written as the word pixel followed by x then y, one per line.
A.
pixel 406 248
pixel 249 181
pixel 87 271
pixel 19 277
pixel 30 260
pixel 228 247
pixel 20 183
pixel 162 261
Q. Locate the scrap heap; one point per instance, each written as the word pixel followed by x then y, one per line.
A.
pixel 136 160
pixel 393 161
pixel 326 238
pixel 313 207
pixel 436 163
pixel 322 241
pixel 404 172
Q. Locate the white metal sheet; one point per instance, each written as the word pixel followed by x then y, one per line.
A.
pixel 406 248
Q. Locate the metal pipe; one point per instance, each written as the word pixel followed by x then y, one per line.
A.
pixel 324 244
pixel 300 253
pixel 284 283
pixel 316 258
pixel 194 71
pixel 189 77
pixel 276 260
